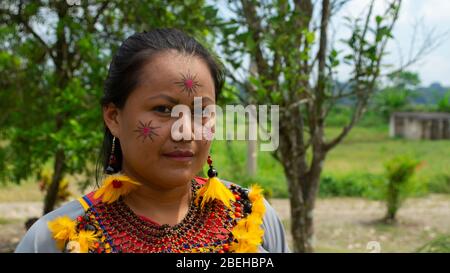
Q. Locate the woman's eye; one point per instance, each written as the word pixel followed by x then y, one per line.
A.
pixel 162 109
pixel 203 113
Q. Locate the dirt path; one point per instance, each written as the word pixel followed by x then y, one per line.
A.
pixel 349 224
pixel 12 219
pixel 342 224
pixel 20 210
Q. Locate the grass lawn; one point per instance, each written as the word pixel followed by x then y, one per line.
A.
pixel 366 150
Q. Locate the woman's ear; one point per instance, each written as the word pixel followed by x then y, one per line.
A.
pixel 110 116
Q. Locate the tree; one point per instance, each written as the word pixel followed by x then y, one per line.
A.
pixel 396 96
pixel 296 71
pixel 54 57
pixel 443 104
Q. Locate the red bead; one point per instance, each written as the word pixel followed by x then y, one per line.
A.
pixel 214 230
pixel 237 214
pixel 223 230
pixel 221 251
pixel 237 197
pixel 117 184
pixel 226 247
pixel 238 209
pixel 79 218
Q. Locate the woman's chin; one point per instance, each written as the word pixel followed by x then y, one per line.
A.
pixel 178 176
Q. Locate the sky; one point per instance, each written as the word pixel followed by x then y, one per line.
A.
pixel 431 15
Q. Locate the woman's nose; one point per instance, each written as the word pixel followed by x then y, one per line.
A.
pixel 183 130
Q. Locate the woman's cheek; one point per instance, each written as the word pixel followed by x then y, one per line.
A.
pixel 147 130
pixel 145 137
pixel 203 150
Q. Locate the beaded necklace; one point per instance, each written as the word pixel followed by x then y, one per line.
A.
pixel 112 226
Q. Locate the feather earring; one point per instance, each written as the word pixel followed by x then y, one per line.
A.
pixel 214 189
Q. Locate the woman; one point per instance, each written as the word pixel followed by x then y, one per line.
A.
pixel 151 199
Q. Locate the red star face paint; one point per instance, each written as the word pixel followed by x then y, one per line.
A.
pixel 188 83
pixel 145 130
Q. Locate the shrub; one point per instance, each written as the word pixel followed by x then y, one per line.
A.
pixel 355 185
pixel 439 184
pixel 399 172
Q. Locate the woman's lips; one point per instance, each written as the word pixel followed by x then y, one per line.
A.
pixel 180 155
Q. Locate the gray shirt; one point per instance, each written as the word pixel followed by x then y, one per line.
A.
pixel 39 238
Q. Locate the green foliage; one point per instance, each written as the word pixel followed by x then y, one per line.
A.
pixel 443 104
pixel 364 185
pixel 341 114
pixel 230 95
pixel 439 184
pixel 401 169
pixel 364 49
pixel 399 172
pixel 439 245
pixel 50 98
pixel 398 94
pixel 230 159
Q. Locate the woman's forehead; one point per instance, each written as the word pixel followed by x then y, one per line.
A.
pixel 179 74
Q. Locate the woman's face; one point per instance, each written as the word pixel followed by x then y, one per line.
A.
pixel 144 124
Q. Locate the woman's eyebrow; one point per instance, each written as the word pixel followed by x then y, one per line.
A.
pixel 205 100
pixel 162 96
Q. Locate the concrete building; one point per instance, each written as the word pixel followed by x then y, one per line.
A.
pixel 418 125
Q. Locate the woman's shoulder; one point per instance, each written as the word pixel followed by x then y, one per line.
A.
pixel 39 238
pixel 274 238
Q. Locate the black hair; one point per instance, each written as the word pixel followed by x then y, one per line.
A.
pixel 125 68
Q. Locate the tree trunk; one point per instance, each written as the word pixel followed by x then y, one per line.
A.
pixel 392 203
pixel 52 192
pixel 302 224
pixel 302 202
pixel 303 180
pixel 62 74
